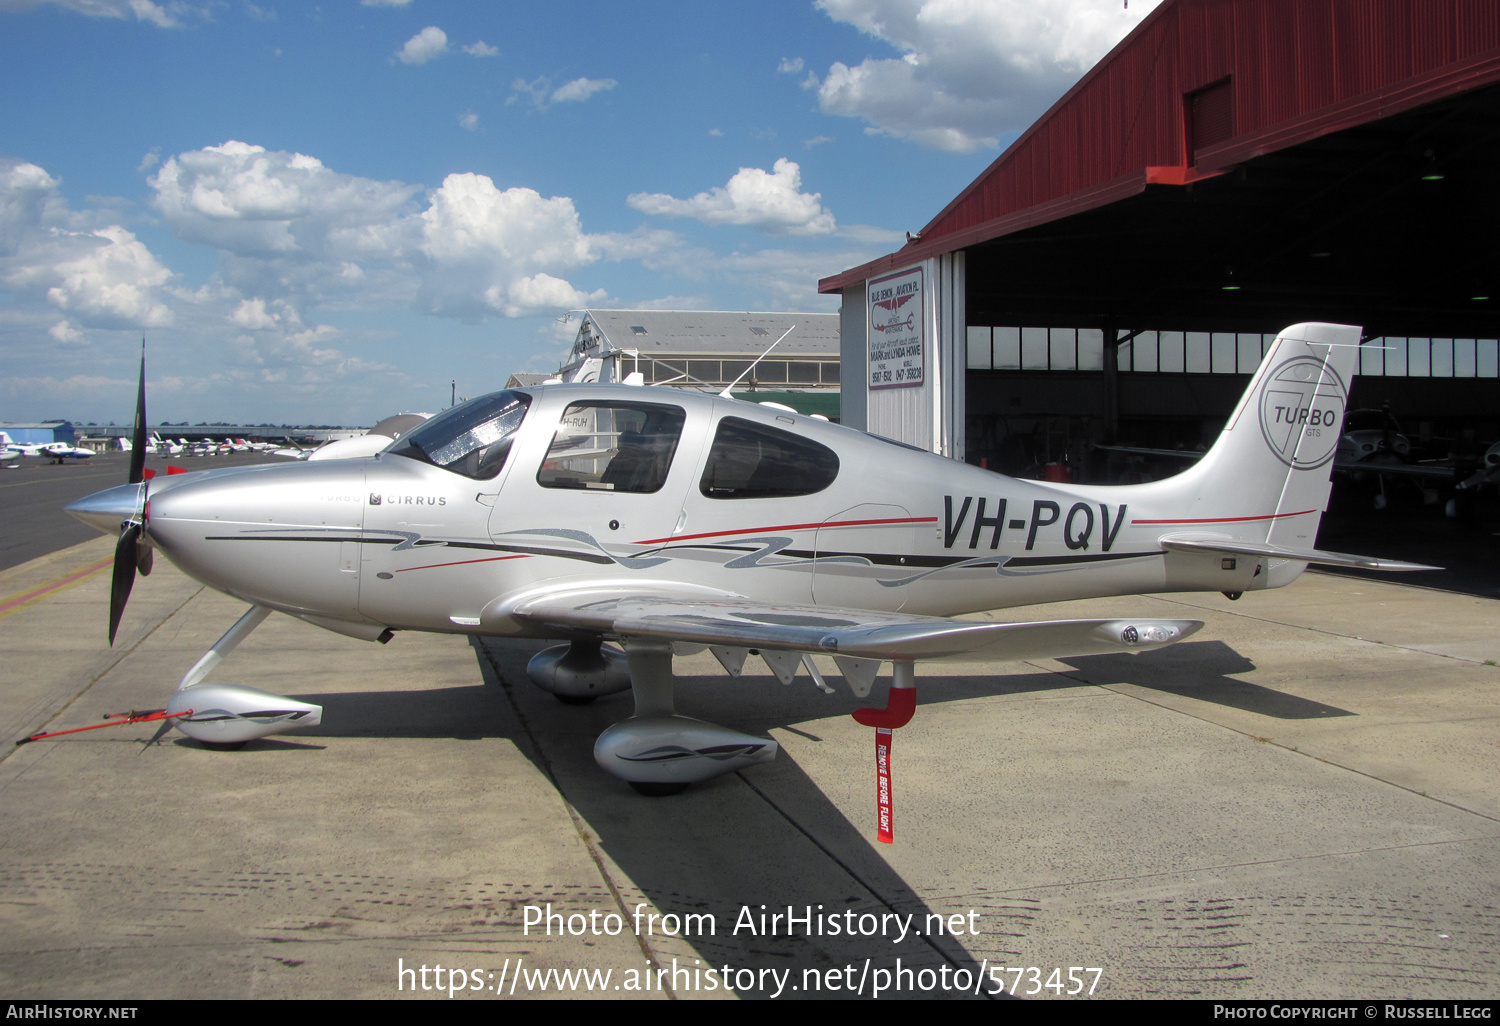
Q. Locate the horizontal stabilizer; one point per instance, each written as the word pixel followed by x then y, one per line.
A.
pixel 1240 548
pixel 1431 471
pixel 742 623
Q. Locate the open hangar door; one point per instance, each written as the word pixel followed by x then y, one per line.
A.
pixel 1140 320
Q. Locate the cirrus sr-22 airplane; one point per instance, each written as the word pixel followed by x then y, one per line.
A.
pixel 604 515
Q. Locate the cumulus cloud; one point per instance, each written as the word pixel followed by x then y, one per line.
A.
pixel 64 332
pixel 790 65
pixel 540 92
pixel 468 121
pixel 770 201
pixel 424 46
pixel 142 10
pixel 113 282
pixel 479 48
pixel 581 89
pixel 294 234
pixel 255 203
pixel 292 231
pixel 782 278
pixel 101 276
pixel 969 72
pixel 494 250
pixel 384 3
pixel 26 193
pixel 145 10
pixel 253 315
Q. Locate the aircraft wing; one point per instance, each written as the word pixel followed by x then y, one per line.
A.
pixel 1240 548
pixel 857 634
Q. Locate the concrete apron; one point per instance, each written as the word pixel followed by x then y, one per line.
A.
pixel 1302 801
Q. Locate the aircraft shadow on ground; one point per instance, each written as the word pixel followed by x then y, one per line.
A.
pixel 766 837
pixel 769 836
pixel 1200 670
pixel 789 845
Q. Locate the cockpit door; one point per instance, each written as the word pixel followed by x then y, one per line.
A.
pixel 611 479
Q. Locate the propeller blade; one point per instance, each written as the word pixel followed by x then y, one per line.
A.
pixel 138 435
pixel 143 557
pixel 124 576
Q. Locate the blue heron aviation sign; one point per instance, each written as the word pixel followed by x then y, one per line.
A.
pixel 896 321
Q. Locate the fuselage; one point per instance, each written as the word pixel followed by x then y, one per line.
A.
pixel 827 515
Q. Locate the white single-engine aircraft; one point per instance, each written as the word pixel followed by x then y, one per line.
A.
pixel 57 452
pixel 656 517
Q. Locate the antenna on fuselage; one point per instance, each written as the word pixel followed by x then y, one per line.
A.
pixel 725 394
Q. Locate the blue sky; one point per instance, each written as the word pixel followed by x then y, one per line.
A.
pixel 324 213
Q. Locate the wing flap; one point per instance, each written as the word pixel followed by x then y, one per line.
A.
pixel 743 623
pixel 1241 548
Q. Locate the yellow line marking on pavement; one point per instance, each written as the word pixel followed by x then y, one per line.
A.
pixel 21 601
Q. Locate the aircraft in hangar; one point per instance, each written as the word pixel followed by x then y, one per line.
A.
pixel 603 515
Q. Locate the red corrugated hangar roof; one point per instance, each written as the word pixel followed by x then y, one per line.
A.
pixel 1250 162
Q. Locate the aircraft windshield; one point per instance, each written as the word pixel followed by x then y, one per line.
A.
pixel 472 439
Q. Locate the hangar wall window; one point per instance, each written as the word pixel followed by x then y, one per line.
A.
pixel 724 372
pixel 1194 352
pixel 1057 349
pixel 756 461
pixel 1430 358
pixel 1219 352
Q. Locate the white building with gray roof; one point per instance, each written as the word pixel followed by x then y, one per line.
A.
pixel 707 350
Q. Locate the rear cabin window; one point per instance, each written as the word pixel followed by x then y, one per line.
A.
pixel 613 447
pixel 754 461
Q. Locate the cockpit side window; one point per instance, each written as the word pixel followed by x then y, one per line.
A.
pixel 472 439
pixel 756 461
pixel 613 446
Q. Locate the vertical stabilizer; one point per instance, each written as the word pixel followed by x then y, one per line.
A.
pixel 1267 477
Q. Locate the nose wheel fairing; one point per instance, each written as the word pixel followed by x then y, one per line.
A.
pixel 231 714
pixel 234 714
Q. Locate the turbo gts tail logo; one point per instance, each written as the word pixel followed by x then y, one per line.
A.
pixel 1301 410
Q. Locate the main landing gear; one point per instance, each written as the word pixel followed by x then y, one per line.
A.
pixel 656 751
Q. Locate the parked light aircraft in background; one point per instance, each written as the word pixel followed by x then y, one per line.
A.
pixel 57 452
pixel 369 443
pixel 597 514
pixel 1372 445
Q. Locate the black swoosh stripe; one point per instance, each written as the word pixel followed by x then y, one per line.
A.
pixel 1024 561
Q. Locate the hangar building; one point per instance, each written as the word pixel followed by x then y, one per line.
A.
pixel 44 433
pixel 1231 167
pixel 711 349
